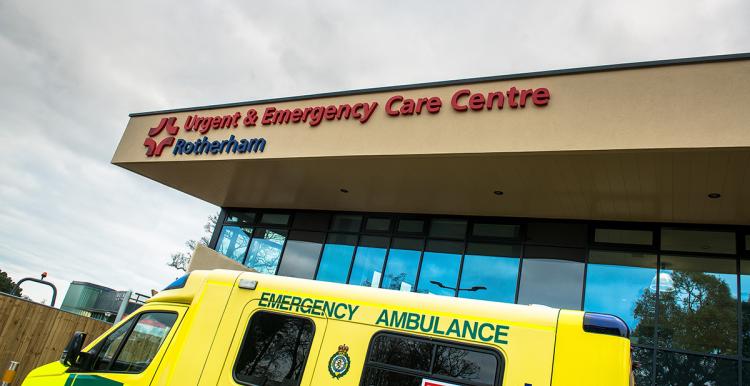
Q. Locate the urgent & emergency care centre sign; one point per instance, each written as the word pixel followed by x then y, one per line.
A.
pixel 166 132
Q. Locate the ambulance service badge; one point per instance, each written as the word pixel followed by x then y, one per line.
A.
pixel 339 364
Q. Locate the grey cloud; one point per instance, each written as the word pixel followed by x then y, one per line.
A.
pixel 71 71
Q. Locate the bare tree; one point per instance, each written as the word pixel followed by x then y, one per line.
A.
pixel 181 260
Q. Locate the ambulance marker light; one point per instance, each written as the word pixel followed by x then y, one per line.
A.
pixel 248 284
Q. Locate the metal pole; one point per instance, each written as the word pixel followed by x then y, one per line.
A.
pixel 123 306
pixel 10 374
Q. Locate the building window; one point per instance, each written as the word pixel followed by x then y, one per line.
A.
pixel 275 350
pixel 745 304
pixel 311 221
pixel 448 229
pixel 490 272
pixel 233 242
pixel 275 219
pixel 265 250
pixel 495 231
pixel 403 263
pixel 623 236
pixel 368 262
pixel 346 223
pixel 242 218
pixel 402 360
pixel 684 240
pixel 440 265
pixel 336 258
pixel 301 254
pixel 698 304
pixel 410 226
pixel 683 369
pixel 552 276
pixel 624 284
pixel 378 224
pixel 561 234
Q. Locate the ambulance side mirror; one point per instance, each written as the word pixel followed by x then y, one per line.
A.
pixel 72 351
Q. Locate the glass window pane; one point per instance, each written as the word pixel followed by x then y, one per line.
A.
pixel 274 350
pixel 274 218
pixel 108 347
pixel 697 241
pixel 410 226
pixel 698 304
pixel 440 265
pixel 465 364
pixel 552 277
pixel 450 229
pixel 492 266
pixel 346 223
pixel 378 224
pixel 747 243
pixel 301 254
pixel 623 236
pixel 745 303
pixel 236 217
pixel 144 341
pixel 233 242
pixel 336 258
pixel 368 262
pixel 402 265
pixel 495 230
pixel 556 234
pixel 643 360
pixel 265 250
pixel 683 369
pixel 620 283
pixel 402 352
pixel 311 221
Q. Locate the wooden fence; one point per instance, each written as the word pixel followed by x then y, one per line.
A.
pixel 34 334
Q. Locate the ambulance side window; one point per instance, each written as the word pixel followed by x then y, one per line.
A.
pixel 398 360
pixel 274 350
pixel 134 344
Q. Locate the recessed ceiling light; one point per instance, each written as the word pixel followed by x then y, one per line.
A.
pixel 342 190
pixel 498 192
pixel 714 195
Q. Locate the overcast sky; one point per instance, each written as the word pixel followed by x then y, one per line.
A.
pixel 71 71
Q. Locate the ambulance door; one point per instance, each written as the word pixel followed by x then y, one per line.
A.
pixel 131 353
pixel 273 347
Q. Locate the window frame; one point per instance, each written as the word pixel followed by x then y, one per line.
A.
pixel 244 341
pixel 499 374
pixel 135 318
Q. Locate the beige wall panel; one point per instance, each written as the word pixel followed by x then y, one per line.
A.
pixel 679 106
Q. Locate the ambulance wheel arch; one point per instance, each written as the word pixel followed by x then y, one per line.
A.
pixel 252 333
pixel 113 359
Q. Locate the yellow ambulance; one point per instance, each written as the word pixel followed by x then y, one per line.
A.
pixel 239 328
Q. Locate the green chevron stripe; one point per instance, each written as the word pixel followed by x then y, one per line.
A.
pixel 93 380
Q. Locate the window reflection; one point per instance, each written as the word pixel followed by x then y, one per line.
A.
pixel 682 369
pixel 492 266
pixel 301 254
pixel 233 242
pixel 745 303
pixel 619 283
pixel 552 276
pixel 265 250
pixel 440 264
pixel 403 262
pixel 336 258
pixel 699 311
pixel 368 263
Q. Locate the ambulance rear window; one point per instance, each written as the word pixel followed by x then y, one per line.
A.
pixel 274 351
pixel 399 360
